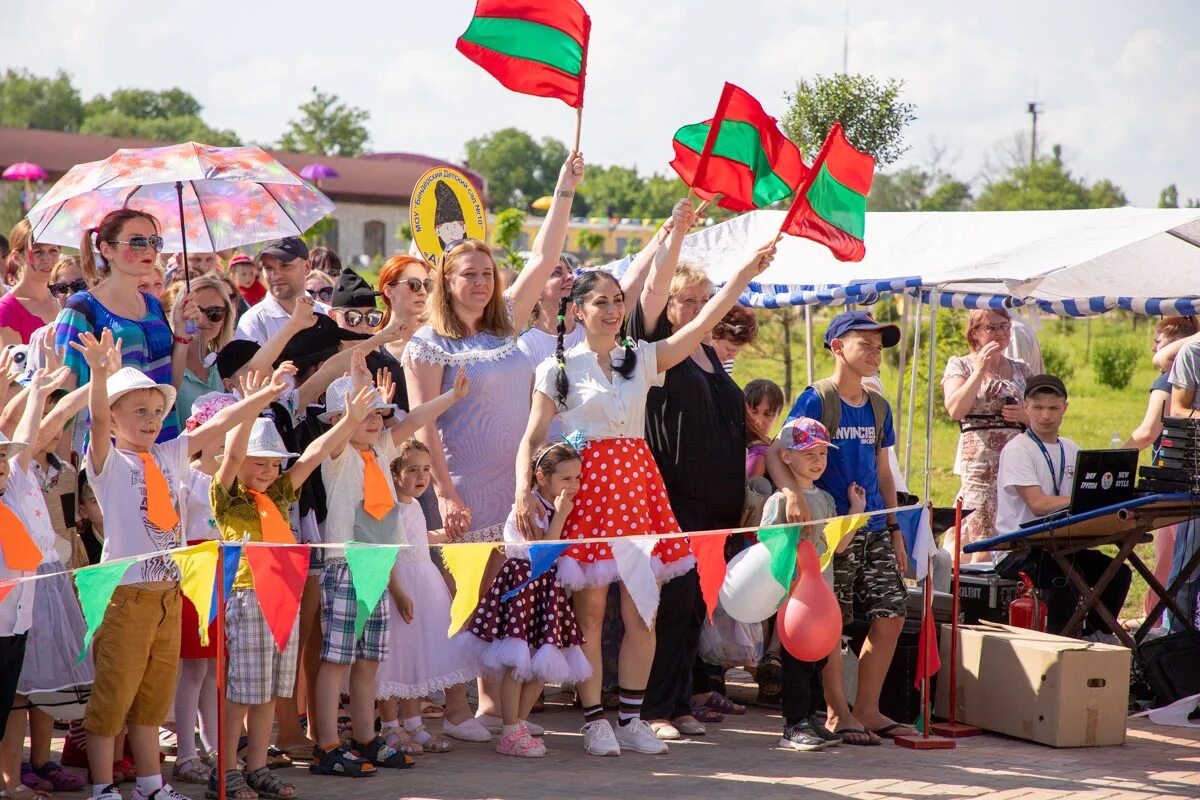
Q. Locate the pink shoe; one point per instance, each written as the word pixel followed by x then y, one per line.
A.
pixel 520 743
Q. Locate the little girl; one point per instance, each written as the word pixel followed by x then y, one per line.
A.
pixel 428 661
pixel 531 639
pixel 764 401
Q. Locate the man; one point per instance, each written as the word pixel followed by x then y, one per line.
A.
pixel 1035 478
pixel 1183 376
pixel 285 266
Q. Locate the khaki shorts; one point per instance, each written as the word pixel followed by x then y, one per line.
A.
pixel 136 653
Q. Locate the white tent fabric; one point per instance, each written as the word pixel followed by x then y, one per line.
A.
pixel 1083 261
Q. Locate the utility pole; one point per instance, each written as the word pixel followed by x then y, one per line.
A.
pixel 1034 110
pixel 846 43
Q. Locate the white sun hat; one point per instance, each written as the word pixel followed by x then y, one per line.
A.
pixel 10 448
pixel 337 396
pixel 265 442
pixel 128 379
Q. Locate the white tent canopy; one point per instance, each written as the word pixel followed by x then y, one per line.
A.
pixel 1102 258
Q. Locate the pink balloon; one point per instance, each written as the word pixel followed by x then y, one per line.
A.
pixel 810 621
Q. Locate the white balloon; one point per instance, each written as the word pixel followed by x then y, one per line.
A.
pixel 750 592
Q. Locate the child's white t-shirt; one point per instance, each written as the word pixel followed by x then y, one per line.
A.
pixel 346 520
pixel 16 609
pixel 199 524
pixel 120 489
pixel 516 545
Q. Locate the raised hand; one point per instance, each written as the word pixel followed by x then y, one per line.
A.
pixel 362 404
pixel 462 384
pixel 360 375
pixel 185 310
pixel 46 380
pixel 52 354
pixel 9 369
pixel 571 174
pixel 103 355
pixel 386 385
pixel 253 382
pixel 279 378
pixel 857 496
pixel 565 501
pixel 303 314
pixel 396 327
pixel 758 262
pixel 683 216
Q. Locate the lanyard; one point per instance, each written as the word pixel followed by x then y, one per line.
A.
pixel 1062 461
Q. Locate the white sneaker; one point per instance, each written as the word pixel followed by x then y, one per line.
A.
pixel 598 739
pixel 469 730
pixel 638 737
pixel 167 792
pixel 496 725
pixel 111 792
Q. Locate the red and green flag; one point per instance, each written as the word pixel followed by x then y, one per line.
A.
pixel 740 154
pixel 536 47
pixel 831 208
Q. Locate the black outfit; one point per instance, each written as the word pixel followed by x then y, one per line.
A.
pixel 382 359
pixel 12 656
pixel 802 691
pixel 1060 595
pixel 696 430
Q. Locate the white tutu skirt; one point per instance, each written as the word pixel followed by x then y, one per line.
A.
pixel 55 638
pixel 421 657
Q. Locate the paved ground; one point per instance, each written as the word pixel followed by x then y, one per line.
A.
pixel 738 760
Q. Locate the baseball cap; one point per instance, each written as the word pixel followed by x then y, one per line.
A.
pixel 849 321
pixel 235 355
pixel 352 291
pixel 240 258
pixel 1046 382
pixel 287 249
pixel 804 433
pixel 317 342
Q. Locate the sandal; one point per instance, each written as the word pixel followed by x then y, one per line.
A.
pixel 705 714
pixel 31 780
pixel 378 753
pixel 236 787
pixel 721 703
pixel 277 759
pixel 341 762
pixel 301 751
pixel 23 792
pixel 62 780
pixel 431 710
pixel 401 741
pixel 770 672
pixel 268 784
pixel 191 770
pixel 429 742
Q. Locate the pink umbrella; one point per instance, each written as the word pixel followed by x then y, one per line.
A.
pixel 206 198
pixel 25 171
pixel 318 172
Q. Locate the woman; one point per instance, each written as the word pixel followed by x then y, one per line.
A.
pixel 29 304
pixel 404 285
pixel 126 243
pixel 738 329
pixel 473 324
pixel 325 261
pixel 196 374
pixel 696 428
pixel 319 286
pixel 599 388
pixel 984 392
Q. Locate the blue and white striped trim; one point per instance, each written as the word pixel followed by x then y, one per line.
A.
pixel 778 295
pixel 1070 307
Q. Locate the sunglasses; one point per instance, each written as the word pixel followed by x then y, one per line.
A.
pixel 64 289
pixel 213 313
pixel 416 284
pixel 324 294
pixel 355 318
pixel 142 242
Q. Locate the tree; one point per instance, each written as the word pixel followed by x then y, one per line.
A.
pixel 168 129
pixel 1169 197
pixel 1047 184
pixel 507 231
pixel 612 191
pixel 915 189
pixel 590 243
pixel 27 101
pixel 659 195
pixel 871 112
pixel 327 127
pixel 145 104
pixel 950 195
pixel 518 169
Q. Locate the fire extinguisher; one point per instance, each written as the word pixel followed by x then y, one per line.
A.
pixel 1027 610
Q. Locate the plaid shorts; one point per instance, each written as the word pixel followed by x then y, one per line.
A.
pixel 257 670
pixel 339 604
pixel 867 578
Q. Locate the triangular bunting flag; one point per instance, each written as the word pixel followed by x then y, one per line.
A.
pixel 279 572
pixel 95 586
pixel 467 563
pixel 782 542
pixel 231 556
pixel 370 568
pixel 918 538
pixel 542 556
pixel 632 557
pixel 836 530
pixel 5 588
pixel 710 564
pixel 929 660
pixel 198 566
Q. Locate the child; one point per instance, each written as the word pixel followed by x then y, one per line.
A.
pixel 26 538
pixel 429 660
pixel 804 451
pixel 250 497
pixel 138 484
pixel 532 638
pixel 867 577
pixel 764 401
pixel 366 511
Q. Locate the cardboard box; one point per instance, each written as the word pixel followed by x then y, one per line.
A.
pixel 1037 686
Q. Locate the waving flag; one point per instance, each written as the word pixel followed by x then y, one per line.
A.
pixel 831 208
pixel 536 47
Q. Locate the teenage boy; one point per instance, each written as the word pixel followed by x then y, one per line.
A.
pixel 1036 475
pixel 138 484
pixel 805 449
pixel 868 575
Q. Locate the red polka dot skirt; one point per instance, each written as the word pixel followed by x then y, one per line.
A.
pixel 621 494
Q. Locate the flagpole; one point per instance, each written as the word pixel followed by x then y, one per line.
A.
pixel 952 727
pixel 711 139
pixel 221 754
pixel 802 193
pixel 578 127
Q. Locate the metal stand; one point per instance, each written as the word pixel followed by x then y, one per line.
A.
pixel 952 728
pixel 924 741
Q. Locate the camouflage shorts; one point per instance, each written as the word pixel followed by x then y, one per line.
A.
pixel 866 578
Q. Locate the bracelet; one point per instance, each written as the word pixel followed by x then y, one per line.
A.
pixel 565 194
pixel 181 339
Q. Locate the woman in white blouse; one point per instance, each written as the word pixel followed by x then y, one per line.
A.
pixel 598 391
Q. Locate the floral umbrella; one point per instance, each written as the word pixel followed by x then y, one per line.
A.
pixel 206 199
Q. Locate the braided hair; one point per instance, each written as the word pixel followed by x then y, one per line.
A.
pixel 584 285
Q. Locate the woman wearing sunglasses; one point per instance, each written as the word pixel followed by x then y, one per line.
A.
pixel 121 250
pixel 319 286
pixel 213 310
pixel 404 286
pixel 29 305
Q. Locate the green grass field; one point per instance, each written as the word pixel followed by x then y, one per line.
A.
pixel 1096 412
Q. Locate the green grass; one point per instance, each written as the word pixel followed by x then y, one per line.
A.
pixel 1095 412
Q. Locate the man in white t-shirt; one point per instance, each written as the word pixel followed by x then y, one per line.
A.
pixel 1036 475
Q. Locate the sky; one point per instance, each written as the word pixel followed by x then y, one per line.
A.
pixel 1116 79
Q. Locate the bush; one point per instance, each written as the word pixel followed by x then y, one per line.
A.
pixel 1114 363
pixel 1057 362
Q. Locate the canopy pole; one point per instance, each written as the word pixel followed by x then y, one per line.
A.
pixel 898 411
pixel 808 342
pixel 912 386
pixel 933 309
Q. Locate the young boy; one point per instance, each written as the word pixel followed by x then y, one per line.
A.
pixel 366 511
pixel 137 484
pixel 804 450
pixel 867 576
pixel 250 499
pixel 22 545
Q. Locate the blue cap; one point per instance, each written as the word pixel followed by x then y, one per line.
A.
pixel 860 321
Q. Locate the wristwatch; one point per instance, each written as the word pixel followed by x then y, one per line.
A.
pixel 893 527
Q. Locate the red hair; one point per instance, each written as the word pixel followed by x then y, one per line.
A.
pixel 390 272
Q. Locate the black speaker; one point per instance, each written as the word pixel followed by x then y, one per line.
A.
pixel 900 698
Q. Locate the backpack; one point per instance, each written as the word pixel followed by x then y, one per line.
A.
pixel 831 408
